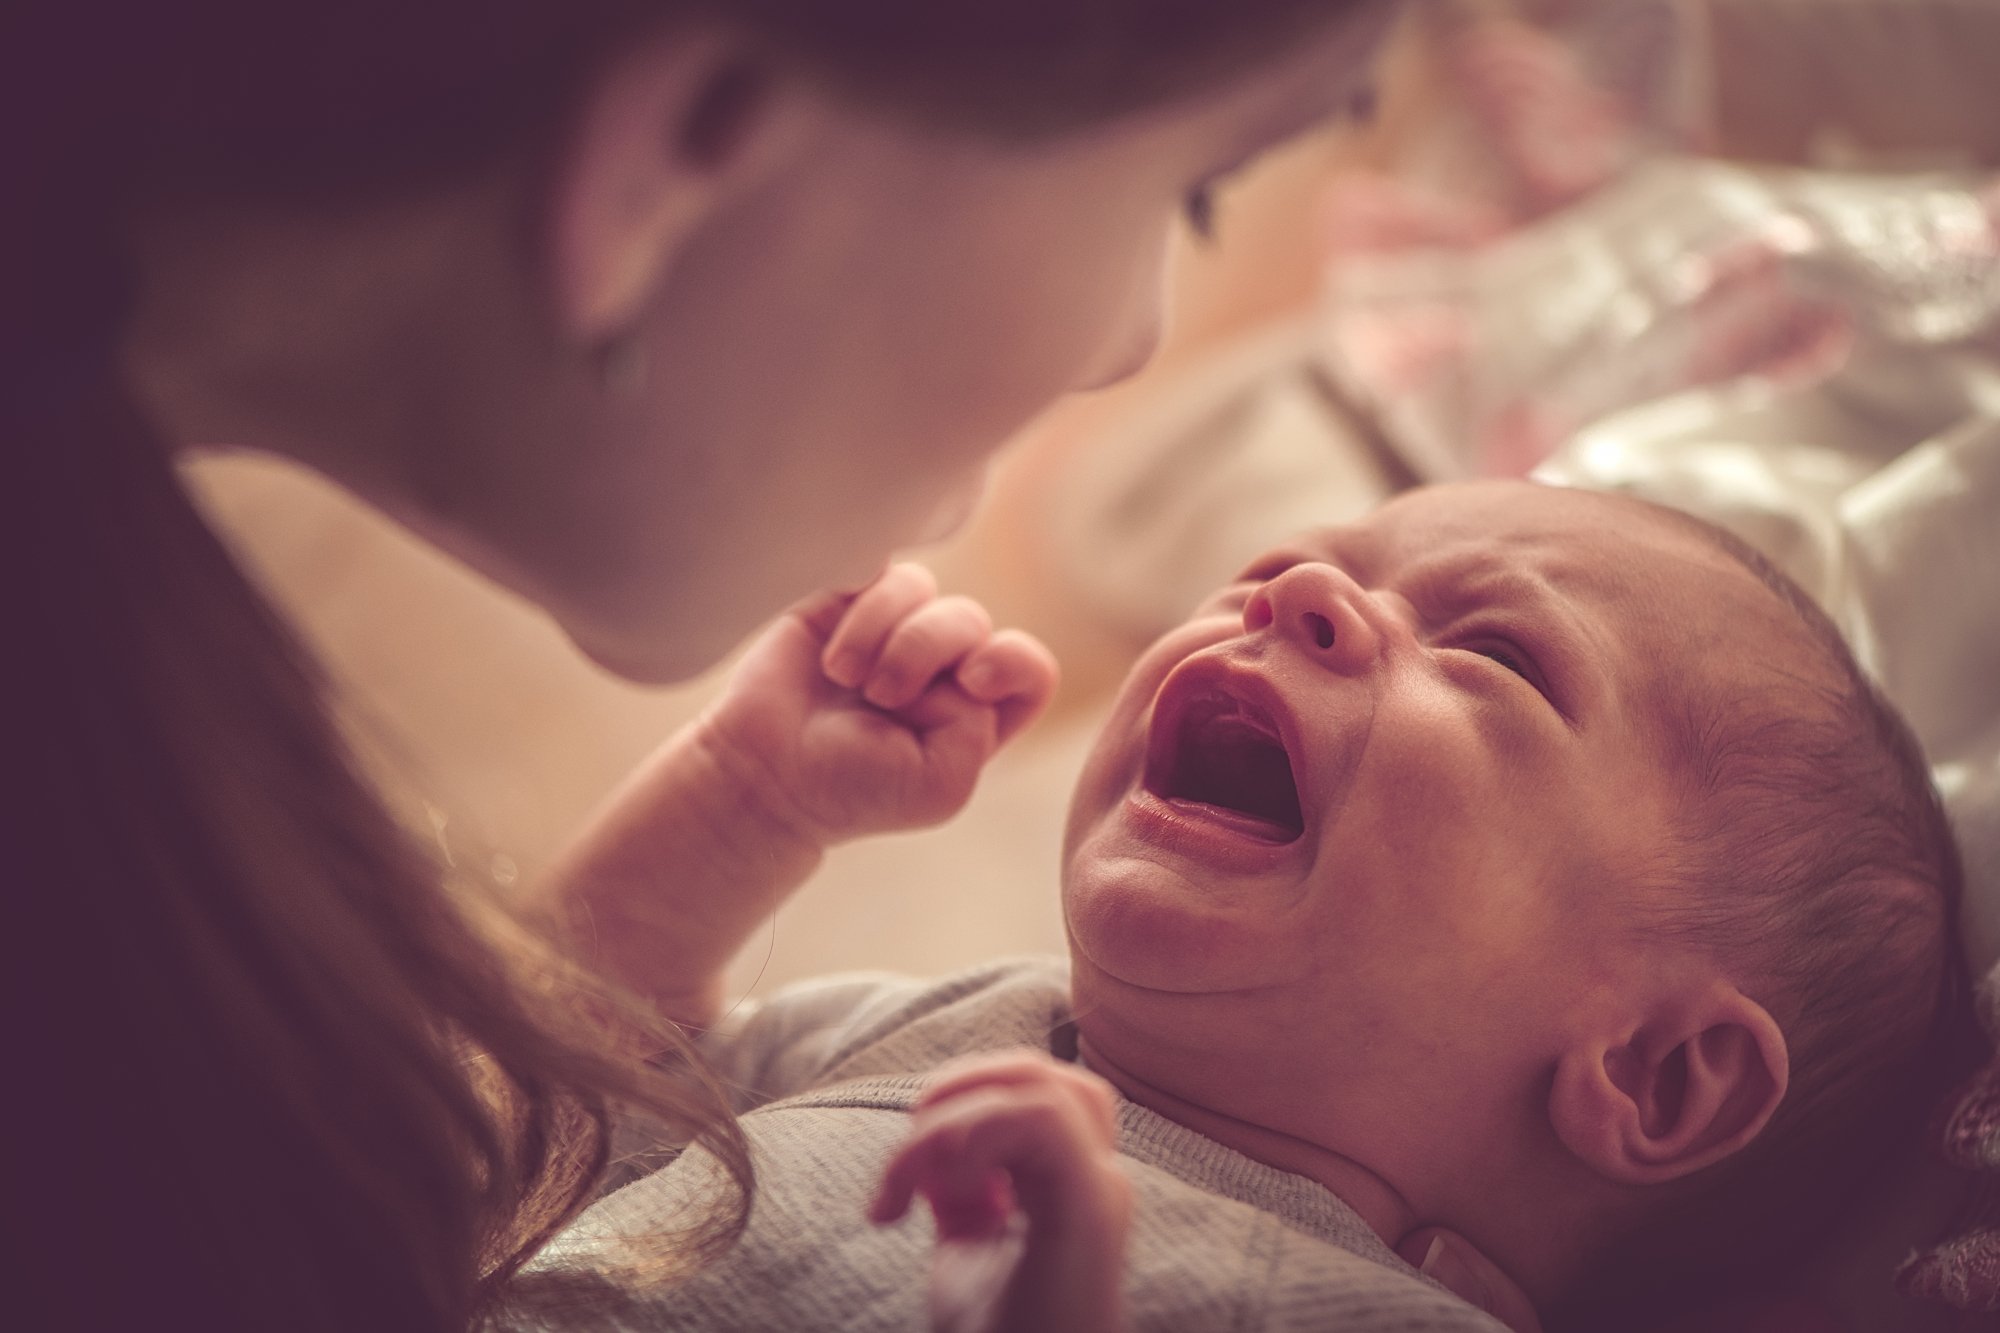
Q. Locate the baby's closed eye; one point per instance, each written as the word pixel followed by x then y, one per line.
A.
pixel 1506 654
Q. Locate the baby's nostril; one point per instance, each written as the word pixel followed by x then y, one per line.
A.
pixel 1321 627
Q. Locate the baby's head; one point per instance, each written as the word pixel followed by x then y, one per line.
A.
pixel 1815 863
pixel 1525 861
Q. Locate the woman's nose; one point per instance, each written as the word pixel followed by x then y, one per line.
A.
pixel 1137 331
pixel 1321 611
pixel 1129 354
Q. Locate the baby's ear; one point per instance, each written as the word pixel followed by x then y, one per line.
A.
pixel 1695 1082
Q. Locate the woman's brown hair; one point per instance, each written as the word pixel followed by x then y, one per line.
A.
pixel 270 1073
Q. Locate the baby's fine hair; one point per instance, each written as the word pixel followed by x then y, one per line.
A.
pixel 1818 866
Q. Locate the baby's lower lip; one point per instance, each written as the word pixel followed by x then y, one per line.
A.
pixel 1238 821
pixel 1216 836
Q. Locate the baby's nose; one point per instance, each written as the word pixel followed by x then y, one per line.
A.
pixel 1320 610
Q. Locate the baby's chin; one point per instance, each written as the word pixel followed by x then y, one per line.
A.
pixel 1137 924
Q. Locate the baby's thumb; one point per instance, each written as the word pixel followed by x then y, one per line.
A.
pixel 1455 1264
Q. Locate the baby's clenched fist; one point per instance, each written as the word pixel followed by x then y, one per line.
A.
pixel 876 711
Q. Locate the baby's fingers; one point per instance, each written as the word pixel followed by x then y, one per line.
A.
pixel 1026 1068
pixel 927 642
pixel 1037 1138
pixel 967 1200
pixel 858 639
pixel 1015 673
pixel 1006 1138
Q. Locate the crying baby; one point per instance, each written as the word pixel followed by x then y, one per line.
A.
pixel 1524 864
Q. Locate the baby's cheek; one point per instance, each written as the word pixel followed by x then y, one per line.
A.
pixel 1440 818
pixel 1107 775
pixel 1117 757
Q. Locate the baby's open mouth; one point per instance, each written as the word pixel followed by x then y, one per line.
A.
pixel 1226 755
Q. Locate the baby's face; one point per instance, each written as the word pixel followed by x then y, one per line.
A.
pixel 1374 807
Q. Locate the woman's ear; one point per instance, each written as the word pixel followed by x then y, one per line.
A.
pixel 662 136
pixel 1694 1083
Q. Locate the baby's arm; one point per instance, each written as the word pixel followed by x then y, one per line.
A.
pixel 1008 1139
pixel 851 714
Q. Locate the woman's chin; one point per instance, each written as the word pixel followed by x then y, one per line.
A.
pixel 642 659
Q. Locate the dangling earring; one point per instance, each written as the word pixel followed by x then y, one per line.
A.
pixel 622 366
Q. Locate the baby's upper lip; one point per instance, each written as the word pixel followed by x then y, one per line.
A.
pixel 1203 679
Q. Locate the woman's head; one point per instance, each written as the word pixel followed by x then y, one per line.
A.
pixel 755 297
pixel 440 250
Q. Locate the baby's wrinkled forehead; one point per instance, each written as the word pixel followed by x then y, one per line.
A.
pixel 1604 548
pixel 1659 600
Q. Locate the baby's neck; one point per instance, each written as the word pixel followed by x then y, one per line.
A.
pixel 1378 1202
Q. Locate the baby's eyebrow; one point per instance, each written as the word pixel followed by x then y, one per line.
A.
pixel 1451 587
pixel 1456 586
